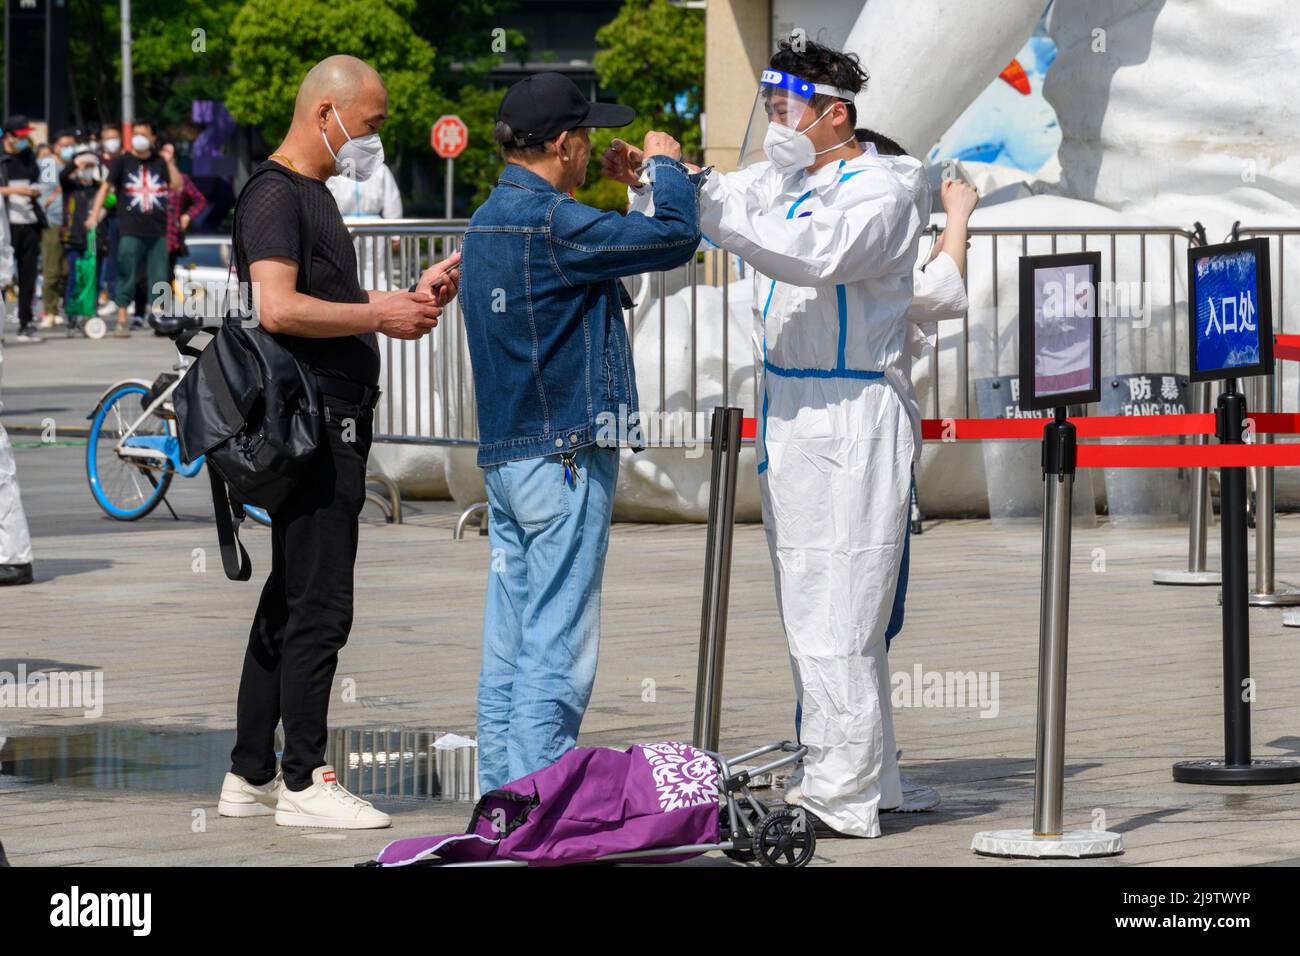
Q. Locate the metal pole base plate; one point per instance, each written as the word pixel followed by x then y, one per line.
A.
pixel 1025 844
pixel 1278 597
pixel 1222 773
pixel 1193 578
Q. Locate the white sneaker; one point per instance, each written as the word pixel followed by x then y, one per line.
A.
pixel 326 804
pixel 239 798
pixel 917 797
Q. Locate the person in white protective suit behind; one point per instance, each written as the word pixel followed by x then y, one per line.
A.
pixel 832 234
pixel 938 293
pixel 15 541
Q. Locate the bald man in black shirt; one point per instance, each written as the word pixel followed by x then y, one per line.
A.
pixel 305 611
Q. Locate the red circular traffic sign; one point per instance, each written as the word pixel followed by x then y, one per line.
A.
pixel 449 136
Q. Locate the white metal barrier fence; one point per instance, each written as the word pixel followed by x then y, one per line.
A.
pixel 703 361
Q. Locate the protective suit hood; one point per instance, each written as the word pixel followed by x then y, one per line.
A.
pixel 911 173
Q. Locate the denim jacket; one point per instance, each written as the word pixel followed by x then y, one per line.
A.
pixel 542 301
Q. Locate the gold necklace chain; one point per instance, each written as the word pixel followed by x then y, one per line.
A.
pixel 287 161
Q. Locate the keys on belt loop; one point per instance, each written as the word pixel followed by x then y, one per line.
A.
pixel 571 474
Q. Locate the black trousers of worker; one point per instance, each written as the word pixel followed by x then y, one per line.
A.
pixel 26 241
pixel 305 612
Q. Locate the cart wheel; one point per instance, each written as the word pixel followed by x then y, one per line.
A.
pixel 785 838
pixel 94 327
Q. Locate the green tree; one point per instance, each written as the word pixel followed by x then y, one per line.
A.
pixel 180 52
pixel 412 43
pixel 478 167
pixel 652 57
pixel 470 34
pixel 275 43
pixel 652 54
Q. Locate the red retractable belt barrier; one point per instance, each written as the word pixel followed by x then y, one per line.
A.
pixel 1188 456
pixel 1100 426
pixel 1287 347
pixel 1134 426
pixel 1130 426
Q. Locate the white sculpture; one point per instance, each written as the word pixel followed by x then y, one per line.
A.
pixel 1170 113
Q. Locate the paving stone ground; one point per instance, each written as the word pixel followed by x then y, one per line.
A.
pixel 1144 672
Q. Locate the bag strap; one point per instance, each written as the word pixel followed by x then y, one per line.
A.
pixel 185 338
pixel 306 236
pixel 209 358
pixel 234 558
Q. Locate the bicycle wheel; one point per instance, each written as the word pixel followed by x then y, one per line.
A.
pixel 124 490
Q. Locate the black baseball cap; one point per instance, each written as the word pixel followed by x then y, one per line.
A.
pixel 18 125
pixel 544 105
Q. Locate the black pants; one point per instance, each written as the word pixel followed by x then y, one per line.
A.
pixel 26 240
pixel 305 612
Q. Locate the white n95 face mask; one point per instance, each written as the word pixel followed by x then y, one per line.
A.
pixel 357 158
pixel 140 142
pixel 789 149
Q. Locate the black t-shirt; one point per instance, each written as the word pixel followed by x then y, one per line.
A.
pixel 142 191
pixel 268 225
pixel 20 165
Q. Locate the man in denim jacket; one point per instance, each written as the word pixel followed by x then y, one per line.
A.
pixel 553 374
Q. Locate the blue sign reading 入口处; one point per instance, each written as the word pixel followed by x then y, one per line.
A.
pixel 1227 326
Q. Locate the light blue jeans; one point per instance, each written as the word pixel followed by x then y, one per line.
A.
pixel 541 622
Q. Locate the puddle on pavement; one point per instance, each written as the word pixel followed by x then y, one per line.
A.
pixel 405 763
pixel 371 762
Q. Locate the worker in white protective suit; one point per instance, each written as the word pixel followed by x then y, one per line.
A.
pixel 15 540
pixel 832 234
pixel 938 293
pixel 375 197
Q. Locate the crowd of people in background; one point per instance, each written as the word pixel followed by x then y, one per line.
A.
pixel 102 222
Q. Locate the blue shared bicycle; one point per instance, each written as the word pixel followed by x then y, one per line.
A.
pixel 132 453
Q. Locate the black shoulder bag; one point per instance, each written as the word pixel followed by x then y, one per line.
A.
pixel 250 407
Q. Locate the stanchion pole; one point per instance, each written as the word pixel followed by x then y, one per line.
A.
pixel 1237 767
pixel 725 444
pixel 1199 513
pixel 1266 592
pixel 1049 838
pixel 1053 626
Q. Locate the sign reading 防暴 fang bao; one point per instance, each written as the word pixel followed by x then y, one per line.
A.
pixel 1144 393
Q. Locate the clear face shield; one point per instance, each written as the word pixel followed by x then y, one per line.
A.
pixel 783 103
pixel 783 99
